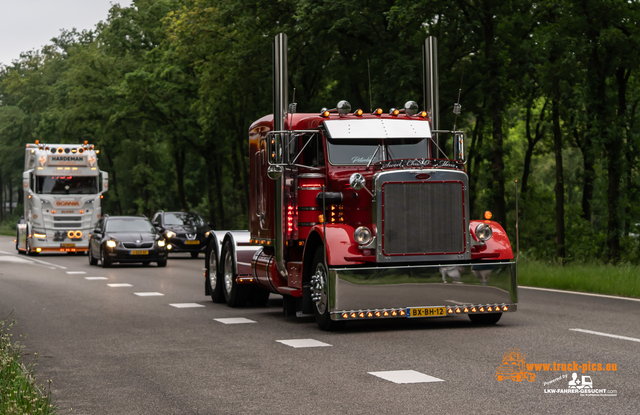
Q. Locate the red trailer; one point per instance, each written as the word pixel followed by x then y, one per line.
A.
pixel 358 215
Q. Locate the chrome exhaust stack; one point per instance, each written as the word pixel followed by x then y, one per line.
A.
pixel 280 98
pixel 430 82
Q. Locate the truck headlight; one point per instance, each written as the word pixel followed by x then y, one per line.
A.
pixel 161 243
pixel 111 244
pixel 362 235
pixel 484 232
pixel 170 234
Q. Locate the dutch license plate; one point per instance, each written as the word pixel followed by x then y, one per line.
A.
pixel 67 245
pixel 427 312
pixel 139 252
pixel 192 242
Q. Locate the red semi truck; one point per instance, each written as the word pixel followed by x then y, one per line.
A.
pixel 357 216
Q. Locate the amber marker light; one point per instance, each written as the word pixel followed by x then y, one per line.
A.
pixel 488 215
pixel 361 315
pixel 345 315
pixel 321 218
pixel 473 309
pixel 423 114
pixel 489 309
pixel 466 309
pixel 378 314
pixel 394 111
pixel 505 308
pixel 457 311
pixel 450 311
pixel 394 313
pixel 38 249
pixel 353 315
pixel 378 111
pixel 482 309
pixel 403 313
pixel 358 112
pixel 369 314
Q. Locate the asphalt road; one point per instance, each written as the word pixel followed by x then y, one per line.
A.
pixel 108 350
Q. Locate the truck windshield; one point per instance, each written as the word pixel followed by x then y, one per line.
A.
pixel 129 225
pixel 361 152
pixel 67 185
pixel 181 218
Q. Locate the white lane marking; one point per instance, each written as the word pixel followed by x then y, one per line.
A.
pixel 297 343
pixel 405 376
pixel 579 293
pixel 615 336
pixel 119 285
pixel 76 272
pixel 186 305
pixel 148 294
pixel 34 260
pixel 95 278
pixel 236 320
pixel 14 259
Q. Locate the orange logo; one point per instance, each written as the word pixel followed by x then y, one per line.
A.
pixel 67 203
pixel 514 367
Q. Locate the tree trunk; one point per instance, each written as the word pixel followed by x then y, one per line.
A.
pixel 179 159
pixel 10 196
pixel 497 164
pixel 559 188
pixel 1 198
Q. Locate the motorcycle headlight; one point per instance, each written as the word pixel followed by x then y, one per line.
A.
pixel 362 235
pixel 484 232
pixel 111 243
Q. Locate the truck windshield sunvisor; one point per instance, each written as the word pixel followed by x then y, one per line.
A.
pixel 129 225
pixel 365 152
pixel 67 185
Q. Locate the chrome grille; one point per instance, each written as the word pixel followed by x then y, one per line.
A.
pixel 133 245
pixel 67 218
pixel 423 218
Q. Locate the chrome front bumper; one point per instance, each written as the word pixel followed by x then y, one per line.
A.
pixel 454 286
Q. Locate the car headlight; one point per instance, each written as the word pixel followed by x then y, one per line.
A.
pixel 170 234
pixel 206 235
pixel 111 244
pixel 484 232
pixel 161 243
pixel 362 235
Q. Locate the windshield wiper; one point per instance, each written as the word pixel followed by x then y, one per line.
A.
pixel 374 154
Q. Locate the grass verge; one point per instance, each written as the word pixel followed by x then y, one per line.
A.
pixel 622 280
pixel 19 393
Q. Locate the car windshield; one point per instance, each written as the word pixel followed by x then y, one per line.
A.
pixel 68 185
pixel 129 225
pixel 364 152
pixel 183 219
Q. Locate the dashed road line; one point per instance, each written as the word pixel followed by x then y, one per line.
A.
pixel 405 376
pixel 234 320
pixel 615 297
pixel 95 278
pixel 150 294
pixel 298 343
pixel 186 305
pixel 119 285
pixel 76 272
pixel 615 336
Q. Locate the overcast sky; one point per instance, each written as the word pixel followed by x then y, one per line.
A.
pixel 30 24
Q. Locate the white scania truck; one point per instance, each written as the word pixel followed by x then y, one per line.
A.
pixel 63 187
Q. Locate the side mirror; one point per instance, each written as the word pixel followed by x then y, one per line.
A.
pixel 97 231
pixel 156 224
pixel 274 148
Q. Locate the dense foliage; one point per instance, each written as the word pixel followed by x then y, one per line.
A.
pixel 167 89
